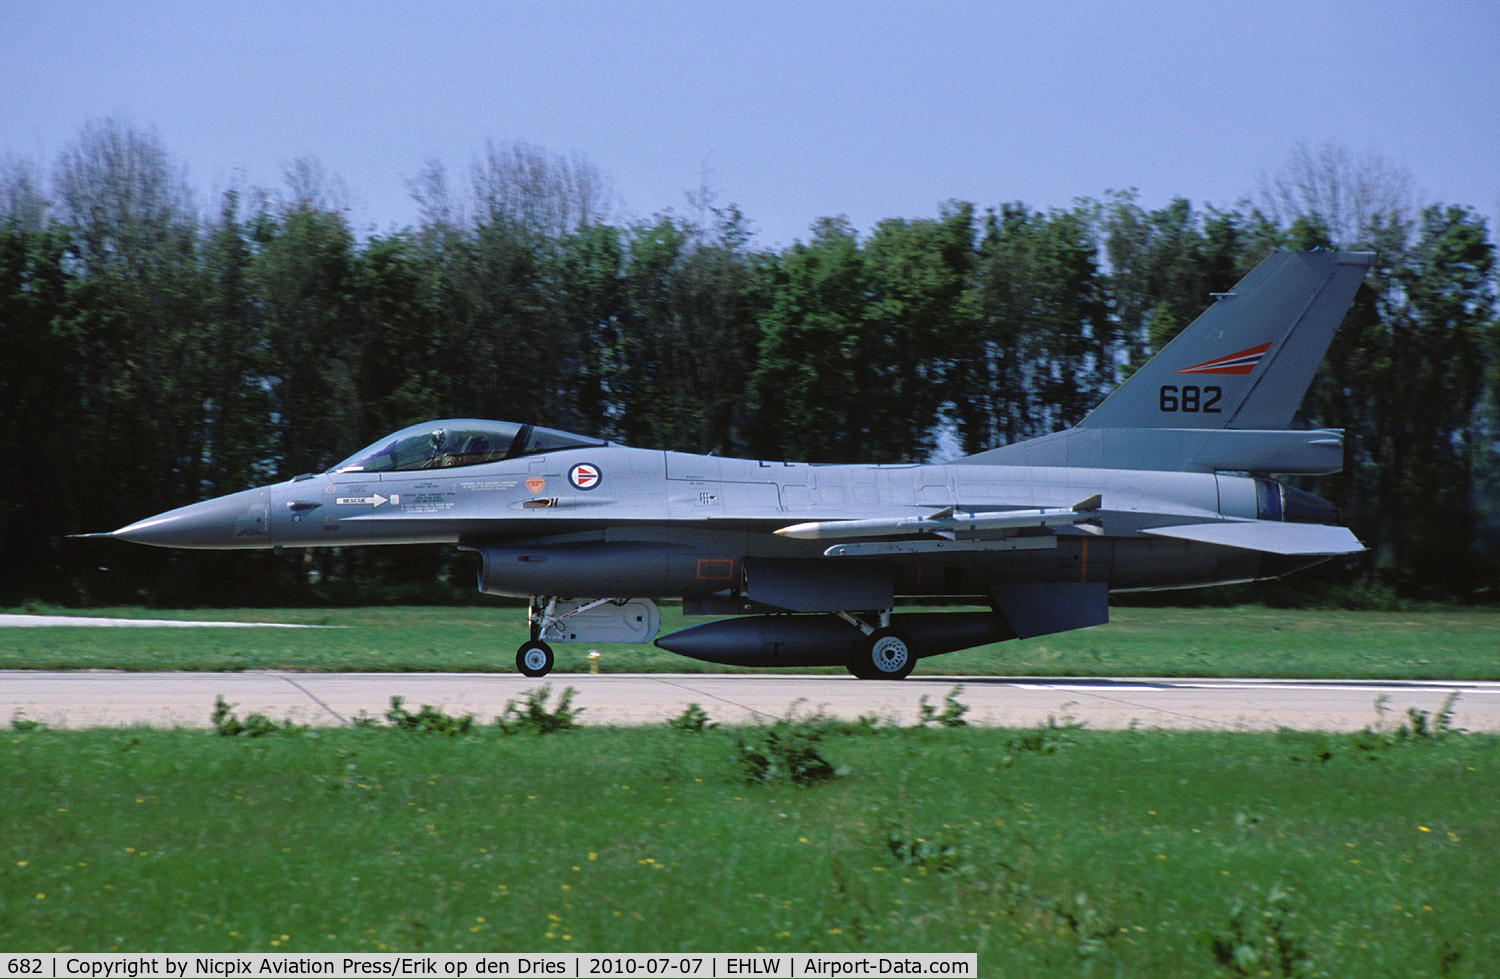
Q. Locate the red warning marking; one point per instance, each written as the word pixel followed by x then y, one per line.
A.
pixel 715 569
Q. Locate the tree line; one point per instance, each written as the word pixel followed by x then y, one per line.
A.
pixel 155 355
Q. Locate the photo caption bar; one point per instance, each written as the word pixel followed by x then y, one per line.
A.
pixel 674 965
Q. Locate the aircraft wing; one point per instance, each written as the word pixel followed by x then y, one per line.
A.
pixel 1268 536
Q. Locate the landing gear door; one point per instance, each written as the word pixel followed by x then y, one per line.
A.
pixel 634 620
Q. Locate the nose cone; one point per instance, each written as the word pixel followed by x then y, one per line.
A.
pixel 240 520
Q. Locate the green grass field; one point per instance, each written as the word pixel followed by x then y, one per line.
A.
pixel 1052 852
pixel 1244 641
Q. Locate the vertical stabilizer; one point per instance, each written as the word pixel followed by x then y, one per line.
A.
pixel 1249 359
pixel 1220 396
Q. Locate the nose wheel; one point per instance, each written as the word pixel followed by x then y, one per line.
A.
pixel 534 658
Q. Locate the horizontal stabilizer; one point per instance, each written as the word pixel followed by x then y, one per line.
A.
pixel 1268 536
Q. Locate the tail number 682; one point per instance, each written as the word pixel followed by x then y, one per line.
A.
pixel 1191 399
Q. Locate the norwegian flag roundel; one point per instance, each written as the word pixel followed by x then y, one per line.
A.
pixel 584 476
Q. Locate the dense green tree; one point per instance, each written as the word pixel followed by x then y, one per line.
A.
pixel 1165 265
pixel 132 235
pixel 39 395
pixel 1038 351
pixel 303 275
pixel 806 382
pixel 649 335
pixel 591 263
pixel 238 444
pixel 395 377
pixel 1436 314
pixel 917 273
pixel 155 356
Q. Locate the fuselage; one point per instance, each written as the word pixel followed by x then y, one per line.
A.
pixel 612 520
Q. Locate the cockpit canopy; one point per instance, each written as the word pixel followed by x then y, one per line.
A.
pixel 456 442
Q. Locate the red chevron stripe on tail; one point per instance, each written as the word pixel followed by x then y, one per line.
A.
pixel 1241 363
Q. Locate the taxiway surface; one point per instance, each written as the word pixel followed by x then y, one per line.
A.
pixel 104 698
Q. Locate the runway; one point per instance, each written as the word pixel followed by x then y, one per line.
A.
pixel 102 698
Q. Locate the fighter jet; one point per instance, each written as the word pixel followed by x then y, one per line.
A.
pixel 1166 484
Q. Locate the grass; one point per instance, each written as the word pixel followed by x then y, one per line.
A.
pixel 1244 641
pixel 1052 852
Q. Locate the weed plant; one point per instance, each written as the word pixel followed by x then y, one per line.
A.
pixel 1052 852
pixel 952 714
pixel 693 720
pixel 228 724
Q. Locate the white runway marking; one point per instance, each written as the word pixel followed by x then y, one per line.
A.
pixel 37 621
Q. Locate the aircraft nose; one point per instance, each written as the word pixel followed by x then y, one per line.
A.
pixel 240 520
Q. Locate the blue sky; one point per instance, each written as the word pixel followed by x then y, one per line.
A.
pixel 793 111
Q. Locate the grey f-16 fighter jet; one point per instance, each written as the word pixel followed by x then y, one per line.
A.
pixel 1166 484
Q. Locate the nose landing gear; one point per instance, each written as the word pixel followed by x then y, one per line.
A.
pixel 534 658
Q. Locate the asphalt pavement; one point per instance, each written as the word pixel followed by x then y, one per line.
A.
pixel 100 698
pixel 106 698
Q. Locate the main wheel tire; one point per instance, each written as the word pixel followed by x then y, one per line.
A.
pixel 534 658
pixel 886 655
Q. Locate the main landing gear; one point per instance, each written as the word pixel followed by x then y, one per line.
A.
pixel 886 654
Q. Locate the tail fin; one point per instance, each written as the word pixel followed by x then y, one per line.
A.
pixel 1248 360
pixel 1220 395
